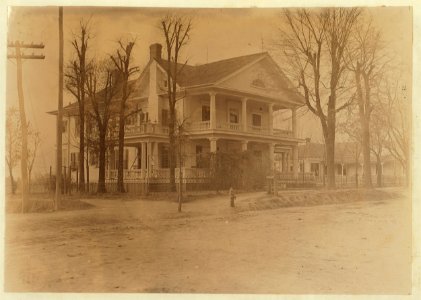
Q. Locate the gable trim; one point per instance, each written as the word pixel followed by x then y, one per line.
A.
pixel 241 69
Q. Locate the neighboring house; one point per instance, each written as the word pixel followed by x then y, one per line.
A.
pixel 227 105
pixel 348 163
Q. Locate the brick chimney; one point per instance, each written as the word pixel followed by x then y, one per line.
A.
pixel 155 51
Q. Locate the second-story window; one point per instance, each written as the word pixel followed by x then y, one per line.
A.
pixel 205 113
pixel 257 120
pixel 233 116
pixel 165 117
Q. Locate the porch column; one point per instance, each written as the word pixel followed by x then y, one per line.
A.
pixel 295 160
pixel 270 118
pixel 294 121
pixel 213 146
pixel 143 156
pixel 244 145
pixel 244 113
pixel 149 153
pixel 272 156
pixel 155 154
pixel 284 162
pixel 212 96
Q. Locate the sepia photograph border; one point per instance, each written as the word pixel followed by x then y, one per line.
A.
pixel 416 135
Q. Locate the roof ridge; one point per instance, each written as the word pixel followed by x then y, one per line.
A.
pixel 218 61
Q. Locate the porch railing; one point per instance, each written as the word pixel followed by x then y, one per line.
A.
pixel 140 174
pixel 146 128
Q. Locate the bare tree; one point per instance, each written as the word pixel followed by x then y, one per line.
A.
pixel 13 143
pixel 396 109
pixel 378 139
pixel 366 61
pixel 314 44
pixel 101 87
pixel 34 141
pixel 176 31
pixel 75 83
pixel 122 60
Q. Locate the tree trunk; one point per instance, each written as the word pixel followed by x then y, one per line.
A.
pixel 120 169
pixel 379 171
pixel 330 162
pixel 101 174
pixel 366 152
pixel 329 135
pixel 12 181
pixel 87 167
pixel 180 179
pixel 29 180
pixel 172 148
pixel 81 150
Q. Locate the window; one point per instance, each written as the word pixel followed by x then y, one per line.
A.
pixel 164 157
pixel 314 168
pixel 131 120
pixel 74 160
pixel 205 113
pixel 257 120
pixel 126 159
pixel 93 159
pixel 77 124
pixel 199 157
pixel 233 116
pixel 164 117
pixel 339 169
pixel 258 156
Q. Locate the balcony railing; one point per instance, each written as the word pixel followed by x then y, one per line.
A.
pixel 282 132
pixel 258 129
pixel 150 128
pixel 229 126
pixel 146 128
pixel 235 127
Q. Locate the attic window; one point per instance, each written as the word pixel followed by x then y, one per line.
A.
pixel 258 83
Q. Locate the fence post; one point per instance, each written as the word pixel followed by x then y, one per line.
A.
pixel 49 183
pixel 70 180
pixel 77 180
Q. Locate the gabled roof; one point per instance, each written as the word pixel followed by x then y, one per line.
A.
pixel 344 152
pixel 209 73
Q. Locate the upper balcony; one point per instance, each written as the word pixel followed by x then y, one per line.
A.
pixel 203 127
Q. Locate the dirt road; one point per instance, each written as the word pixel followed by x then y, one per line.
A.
pixel 146 246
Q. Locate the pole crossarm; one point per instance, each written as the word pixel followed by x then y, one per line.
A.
pixel 19 45
pixel 23 45
pixel 24 56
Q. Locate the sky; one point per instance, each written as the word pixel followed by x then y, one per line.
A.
pixel 217 34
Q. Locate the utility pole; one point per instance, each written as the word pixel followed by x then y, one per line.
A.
pixel 19 56
pixel 59 112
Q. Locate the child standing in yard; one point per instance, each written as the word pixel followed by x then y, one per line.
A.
pixel 232 196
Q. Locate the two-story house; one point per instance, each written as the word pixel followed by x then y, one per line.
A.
pixel 228 105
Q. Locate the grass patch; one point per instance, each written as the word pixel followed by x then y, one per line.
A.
pixel 43 203
pixel 313 198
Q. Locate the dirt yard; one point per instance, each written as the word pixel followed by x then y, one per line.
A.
pixel 360 247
